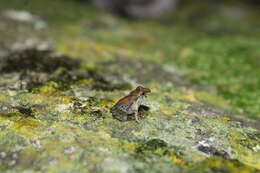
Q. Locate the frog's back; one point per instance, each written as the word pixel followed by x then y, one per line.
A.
pixel 124 105
pixel 122 110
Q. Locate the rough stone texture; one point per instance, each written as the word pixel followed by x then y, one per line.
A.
pixel 55 117
pixel 56 129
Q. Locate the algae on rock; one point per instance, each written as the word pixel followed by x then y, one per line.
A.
pixel 55 108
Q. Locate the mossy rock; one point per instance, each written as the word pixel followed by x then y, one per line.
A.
pixel 55 117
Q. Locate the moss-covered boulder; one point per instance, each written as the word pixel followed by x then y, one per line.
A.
pixel 55 107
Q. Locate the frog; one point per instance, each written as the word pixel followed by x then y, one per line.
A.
pixel 128 106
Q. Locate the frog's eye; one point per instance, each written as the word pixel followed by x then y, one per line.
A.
pixel 143 94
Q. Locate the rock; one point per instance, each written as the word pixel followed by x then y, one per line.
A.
pixel 213 151
pixel 201 133
pixel 37 59
pixel 138 8
pixel 25 110
pixel 151 145
pixel 70 150
pixel 55 108
pixel 24 16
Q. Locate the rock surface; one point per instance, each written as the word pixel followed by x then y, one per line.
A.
pixel 138 8
pixel 55 115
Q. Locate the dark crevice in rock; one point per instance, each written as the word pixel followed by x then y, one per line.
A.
pixel 21 109
pixel 35 66
pixel 151 145
pixel 157 148
pixel 213 151
pixel 36 60
pixel 97 114
pixel 26 111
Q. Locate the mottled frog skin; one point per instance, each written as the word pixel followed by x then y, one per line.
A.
pixel 128 106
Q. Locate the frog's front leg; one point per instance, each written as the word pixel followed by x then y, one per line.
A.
pixel 135 107
pixel 136 116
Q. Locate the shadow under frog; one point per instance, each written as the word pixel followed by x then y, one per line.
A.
pixel 130 107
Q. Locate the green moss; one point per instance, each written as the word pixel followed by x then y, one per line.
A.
pixel 191 74
pixel 244 148
pixel 49 88
pixel 220 165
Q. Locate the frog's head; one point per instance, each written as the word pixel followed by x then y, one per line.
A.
pixel 140 91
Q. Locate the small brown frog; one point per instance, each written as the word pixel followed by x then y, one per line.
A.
pixel 129 105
